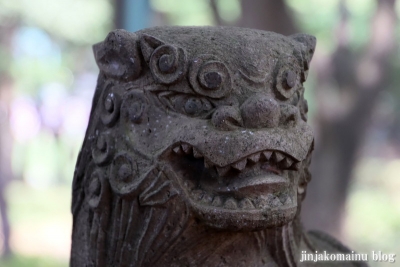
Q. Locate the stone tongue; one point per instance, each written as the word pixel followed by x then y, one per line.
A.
pixel 261 184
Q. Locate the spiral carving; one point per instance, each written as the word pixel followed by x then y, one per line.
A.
pixel 97 189
pixel 124 174
pixel 134 106
pixel 103 149
pixel 210 77
pixel 110 102
pixel 168 64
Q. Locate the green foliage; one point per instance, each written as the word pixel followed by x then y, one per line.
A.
pixel 361 13
pixel 323 20
pixel 38 205
pixel 58 155
pixel 196 12
pixel 31 74
pixel 319 20
pixel 26 261
pixel 40 224
pixel 373 220
pixel 77 21
pixel 188 12
pixel 229 10
pixel 55 42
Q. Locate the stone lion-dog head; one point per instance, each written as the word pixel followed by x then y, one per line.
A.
pixel 192 130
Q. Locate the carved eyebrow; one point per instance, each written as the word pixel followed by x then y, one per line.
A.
pixel 254 80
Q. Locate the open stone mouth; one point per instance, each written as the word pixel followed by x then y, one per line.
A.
pixel 254 182
pixel 279 160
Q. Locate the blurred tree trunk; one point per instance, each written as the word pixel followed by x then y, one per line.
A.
pixel 5 161
pixel 6 85
pixel 5 224
pixel 267 15
pixel 339 131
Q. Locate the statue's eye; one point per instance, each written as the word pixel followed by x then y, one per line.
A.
pixel 289 79
pixel 194 106
pixel 190 105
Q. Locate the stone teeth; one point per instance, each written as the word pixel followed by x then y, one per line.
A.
pixel 271 197
pixel 222 171
pixel 267 154
pixel 263 203
pixel 255 157
pixel 277 156
pixel 276 201
pixel 177 150
pixel 295 166
pixel 283 198
pixel 197 194
pixel 240 165
pixel 246 204
pixel 230 203
pixel 186 148
pixel 189 184
pixel 206 198
pixel 217 201
pixel 208 164
pixel 196 153
pixel 286 163
pixel 288 201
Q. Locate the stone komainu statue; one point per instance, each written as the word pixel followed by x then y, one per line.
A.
pixel 197 151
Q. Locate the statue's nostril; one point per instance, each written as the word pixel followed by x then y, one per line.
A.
pixel 227 118
pixel 260 111
pixel 289 115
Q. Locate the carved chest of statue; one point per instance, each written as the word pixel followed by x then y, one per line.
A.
pixel 197 152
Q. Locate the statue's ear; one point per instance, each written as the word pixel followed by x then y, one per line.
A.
pixel 167 62
pixel 148 44
pixel 308 44
pixel 118 55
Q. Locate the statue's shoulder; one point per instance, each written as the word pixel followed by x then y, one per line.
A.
pixel 327 246
pixel 324 241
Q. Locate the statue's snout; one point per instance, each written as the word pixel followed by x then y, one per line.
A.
pixel 260 111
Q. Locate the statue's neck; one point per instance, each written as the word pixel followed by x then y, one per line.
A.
pixel 207 247
pixel 284 243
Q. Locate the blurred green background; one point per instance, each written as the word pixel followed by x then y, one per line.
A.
pixel 48 76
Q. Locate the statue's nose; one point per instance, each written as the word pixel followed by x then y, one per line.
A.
pixel 260 111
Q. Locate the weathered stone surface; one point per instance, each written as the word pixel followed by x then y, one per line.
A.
pixel 197 151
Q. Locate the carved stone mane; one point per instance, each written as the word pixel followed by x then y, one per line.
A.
pixel 197 151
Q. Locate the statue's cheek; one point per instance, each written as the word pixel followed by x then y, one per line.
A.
pixel 134 108
pixel 147 127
